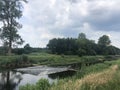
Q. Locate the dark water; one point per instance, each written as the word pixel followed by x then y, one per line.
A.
pixel 12 79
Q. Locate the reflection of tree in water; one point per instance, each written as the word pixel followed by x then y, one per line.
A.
pixel 9 80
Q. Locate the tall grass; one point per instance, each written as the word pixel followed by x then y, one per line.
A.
pixel 105 80
pixel 54 60
pixel 108 80
pixel 14 61
pixel 42 84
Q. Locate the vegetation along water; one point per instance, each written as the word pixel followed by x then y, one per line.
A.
pixel 67 61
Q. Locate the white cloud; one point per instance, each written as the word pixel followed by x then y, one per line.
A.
pixel 46 19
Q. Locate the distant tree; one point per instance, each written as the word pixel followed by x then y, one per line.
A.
pixel 81 52
pixel 52 45
pixel 104 45
pixel 85 46
pixel 10 12
pixel 82 46
pixel 63 46
pixel 104 40
pixel 27 49
pixel 82 36
pixel 18 51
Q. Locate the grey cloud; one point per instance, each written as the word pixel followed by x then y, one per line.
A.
pixel 67 18
pixel 104 19
pixel 73 1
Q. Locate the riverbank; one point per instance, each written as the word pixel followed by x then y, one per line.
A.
pixel 35 59
pixel 102 76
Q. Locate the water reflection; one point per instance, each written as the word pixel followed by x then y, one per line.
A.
pixel 9 80
pixel 12 80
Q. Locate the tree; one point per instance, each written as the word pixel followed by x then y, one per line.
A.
pixel 27 49
pixel 104 40
pixel 10 12
pixel 82 36
pixel 62 46
pixel 103 44
pixel 85 46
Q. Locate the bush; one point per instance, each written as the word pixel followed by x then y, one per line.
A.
pixel 42 84
pixel 28 87
pixel 24 58
pixel 92 60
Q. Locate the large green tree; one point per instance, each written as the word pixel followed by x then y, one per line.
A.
pixel 10 13
pixel 104 40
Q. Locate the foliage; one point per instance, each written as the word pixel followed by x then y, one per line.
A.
pixel 86 47
pixel 107 80
pixel 14 61
pixel 42 84
pixel 82 46
pixel 63 46
pixel 10 12
pixel 27 87
pixel 82 36
pixel 27 49
pixel 2 50
pixel 52 60
pixel 104 40
pixel 18 51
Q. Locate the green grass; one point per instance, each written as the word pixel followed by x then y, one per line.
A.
pixel 53 60
pixel 109 82
pixel 14 61
pixel 100 71
pixel 42 84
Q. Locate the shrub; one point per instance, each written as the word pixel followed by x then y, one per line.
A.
pixel 27 87
pixel 42 84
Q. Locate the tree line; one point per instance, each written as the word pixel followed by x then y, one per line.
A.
pixel 27 49
pixel 82 46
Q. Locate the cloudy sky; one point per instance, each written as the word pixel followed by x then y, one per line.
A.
pixel 46 19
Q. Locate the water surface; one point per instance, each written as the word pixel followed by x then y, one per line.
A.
pixel 12 79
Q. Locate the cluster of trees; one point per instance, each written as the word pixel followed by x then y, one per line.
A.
pixel 27 49
pixel 82 46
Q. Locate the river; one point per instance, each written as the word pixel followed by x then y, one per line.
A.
pixel 13 79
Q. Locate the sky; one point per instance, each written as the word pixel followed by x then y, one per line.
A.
pixel 46 19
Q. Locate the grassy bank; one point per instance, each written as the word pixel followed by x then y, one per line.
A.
pixel 37 59
pixel 51 60
pixel 103 76
pixel 14 61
